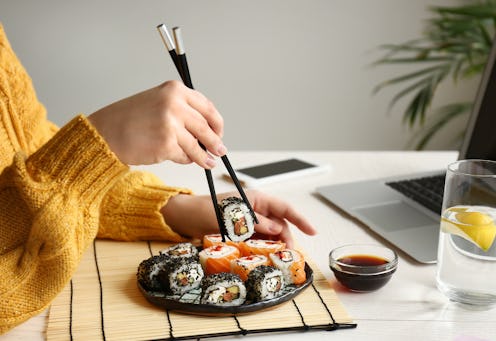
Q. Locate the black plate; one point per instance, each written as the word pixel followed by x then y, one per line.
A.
pixel 186 303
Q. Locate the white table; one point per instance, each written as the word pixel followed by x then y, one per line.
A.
pixel 409 307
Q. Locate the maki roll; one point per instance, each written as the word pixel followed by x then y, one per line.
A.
pixel 180 250
pixel 149 270
pixel 223 289
pixel 265 282
pixel 292 265
pixel 211 240
pixel 238 220
pixel 261 247
pixel 180 275
pixel 216 239
pixel 218 258
pixel 242 266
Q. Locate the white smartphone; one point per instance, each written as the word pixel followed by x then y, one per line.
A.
pixel 257 175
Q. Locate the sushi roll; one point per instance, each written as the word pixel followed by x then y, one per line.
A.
pixel 238 221
pixel 265 282
pixel 261 247
pixel 242 266
pixel 181 250
pixel 180 275
pixel 292 265
pixel 223 289
pixel 216 239
pixel 218 258
pixel 211 240
pixel 149 270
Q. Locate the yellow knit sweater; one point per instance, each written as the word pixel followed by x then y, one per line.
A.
pixel 58 190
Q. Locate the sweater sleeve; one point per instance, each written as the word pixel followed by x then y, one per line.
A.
pixel 55 187
pixel 131 209
pixel 50 210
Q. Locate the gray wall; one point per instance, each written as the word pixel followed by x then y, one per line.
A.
pixel 285 74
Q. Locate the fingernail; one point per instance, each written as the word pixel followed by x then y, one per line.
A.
pixel 221 150
pixel 210 162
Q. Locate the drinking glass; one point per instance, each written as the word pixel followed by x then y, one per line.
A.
pixel 466 269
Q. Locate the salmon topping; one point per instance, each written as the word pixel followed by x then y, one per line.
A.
pixel 240 227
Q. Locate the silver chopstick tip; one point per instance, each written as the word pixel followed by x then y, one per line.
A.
pixel 178 40
pixel 169 43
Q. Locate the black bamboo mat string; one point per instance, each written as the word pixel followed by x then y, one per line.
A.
pixel 102 318
pixel 70 310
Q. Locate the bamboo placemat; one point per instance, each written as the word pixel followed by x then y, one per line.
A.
pixel 103 302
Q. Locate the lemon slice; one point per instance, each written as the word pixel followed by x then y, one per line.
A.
pixel 476 227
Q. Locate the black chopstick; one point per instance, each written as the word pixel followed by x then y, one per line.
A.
pixel 169 44
pixel 180 64
pixel 233 176
pixel 180 61
pixel 181 58
pixel 184 69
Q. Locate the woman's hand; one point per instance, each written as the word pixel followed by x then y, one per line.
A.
pixel 194 216
pixel 162 123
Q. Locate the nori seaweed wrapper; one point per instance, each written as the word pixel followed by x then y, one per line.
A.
pixel 230 280
pixel 231 200
pixel 149 270
pixel 181 250
pixel 254 283
pixel 172 265
pixel 219 277
pixel 234 211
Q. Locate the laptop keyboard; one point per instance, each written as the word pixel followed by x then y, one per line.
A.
pixel 427 191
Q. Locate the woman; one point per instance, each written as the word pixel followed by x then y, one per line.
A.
pixel 61 188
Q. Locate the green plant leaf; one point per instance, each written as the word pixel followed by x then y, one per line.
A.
pixel 456 41
pixel 438 120
pixel 407 90
pixel 482 10
pixel 408 77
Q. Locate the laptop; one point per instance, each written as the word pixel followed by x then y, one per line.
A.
pixel 392 210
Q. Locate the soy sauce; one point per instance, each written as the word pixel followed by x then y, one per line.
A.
pixel 363 281
pixel 363 260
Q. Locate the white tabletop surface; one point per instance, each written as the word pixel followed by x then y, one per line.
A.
pixel 409 307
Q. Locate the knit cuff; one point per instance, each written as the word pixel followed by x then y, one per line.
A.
pixel 77 158
pixel 131 209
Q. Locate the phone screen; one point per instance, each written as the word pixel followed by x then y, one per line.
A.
pixel 275 168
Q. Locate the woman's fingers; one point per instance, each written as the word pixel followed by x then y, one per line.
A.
pixel 162 123
pixel 190 146
pixel 298 220
pixel 274 207
pixel 287 237
pixel 206 108
pixel 198 127
pixel 181 157
pixel 267 226
pixel 274 228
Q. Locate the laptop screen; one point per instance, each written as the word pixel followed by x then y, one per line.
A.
pixel 480 136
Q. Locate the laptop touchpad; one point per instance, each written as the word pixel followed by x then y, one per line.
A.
pixel 393 216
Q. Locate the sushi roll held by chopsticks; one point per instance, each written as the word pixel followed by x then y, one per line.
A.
pixel 238 221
